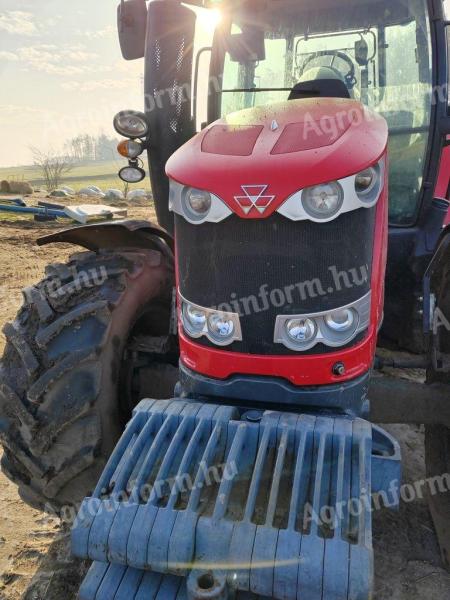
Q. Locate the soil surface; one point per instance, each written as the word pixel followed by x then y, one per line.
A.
pixel 35 561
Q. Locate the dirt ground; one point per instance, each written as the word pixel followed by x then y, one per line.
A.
pixel 35 561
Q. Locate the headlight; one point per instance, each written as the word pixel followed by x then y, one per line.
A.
pixel 221 328
pixel 194 319
pixel 131 124
pixel 368 183
pixel 365 180
pixel 132 174
pixel 341 321
pixel 196 206
pixel 301 331
pixel 130 148
pixel 341 326
pixel 323 201
pixel 332 328
pixel 196 203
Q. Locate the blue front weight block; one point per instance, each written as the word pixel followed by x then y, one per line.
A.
pixel 278 506
pixel 114 582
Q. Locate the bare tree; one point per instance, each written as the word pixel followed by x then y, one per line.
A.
pixel 52 166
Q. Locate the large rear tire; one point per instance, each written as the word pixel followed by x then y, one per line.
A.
pixel 60 411
pixel 437 437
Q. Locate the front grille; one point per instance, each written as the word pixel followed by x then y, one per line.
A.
pixel 316 267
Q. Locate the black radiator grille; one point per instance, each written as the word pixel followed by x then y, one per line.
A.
pixel 316 267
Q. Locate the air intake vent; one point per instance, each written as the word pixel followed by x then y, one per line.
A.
pixel 230 140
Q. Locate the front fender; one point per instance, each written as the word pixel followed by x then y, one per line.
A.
pixel 119 234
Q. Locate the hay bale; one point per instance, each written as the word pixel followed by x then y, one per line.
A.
pixel 59 194
pixel 68 189
pixel 114 195
pixel 92 193
pixel 137 194
pixel 5 188
pixel 20 187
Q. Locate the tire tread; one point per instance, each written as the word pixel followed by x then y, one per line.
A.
pixel 37 417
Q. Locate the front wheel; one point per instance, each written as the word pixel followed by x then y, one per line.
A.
pixel 60 410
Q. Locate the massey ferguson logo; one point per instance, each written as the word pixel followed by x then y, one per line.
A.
pixel 255 197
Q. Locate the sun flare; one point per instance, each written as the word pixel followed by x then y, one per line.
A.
pixel 209 19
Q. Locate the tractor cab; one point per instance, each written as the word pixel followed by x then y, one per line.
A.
pixel 380 51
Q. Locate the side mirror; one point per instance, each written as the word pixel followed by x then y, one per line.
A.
pixel 246 47
pixel 132 26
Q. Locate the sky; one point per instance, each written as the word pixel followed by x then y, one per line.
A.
pixel 61 74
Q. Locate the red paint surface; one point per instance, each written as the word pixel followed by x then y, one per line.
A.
pixel 442 189
pixel 359 141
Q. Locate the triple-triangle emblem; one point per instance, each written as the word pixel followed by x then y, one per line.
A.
pixel 254 197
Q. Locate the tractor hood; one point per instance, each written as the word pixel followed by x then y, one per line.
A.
pixel 284 148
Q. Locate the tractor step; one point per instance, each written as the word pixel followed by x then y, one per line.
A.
pixel 273 504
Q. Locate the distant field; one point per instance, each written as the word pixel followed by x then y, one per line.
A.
pixel 101 174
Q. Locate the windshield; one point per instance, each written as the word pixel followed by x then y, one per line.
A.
pixel 381 50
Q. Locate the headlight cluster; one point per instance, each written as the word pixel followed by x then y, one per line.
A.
pixel 221 328
pixel 297 332
pixel 333 328
pixel 196 206
pixel 320 203
pixel 133 125
pixel 325 202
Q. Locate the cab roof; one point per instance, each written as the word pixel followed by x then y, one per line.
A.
pixel 344 14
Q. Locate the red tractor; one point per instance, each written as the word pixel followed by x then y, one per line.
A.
pixel 293 146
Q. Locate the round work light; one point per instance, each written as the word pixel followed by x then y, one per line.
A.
pixel 132 174
pixel 131 124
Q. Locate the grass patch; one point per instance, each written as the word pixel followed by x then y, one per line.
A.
pixel 6 217
pixel 102 174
